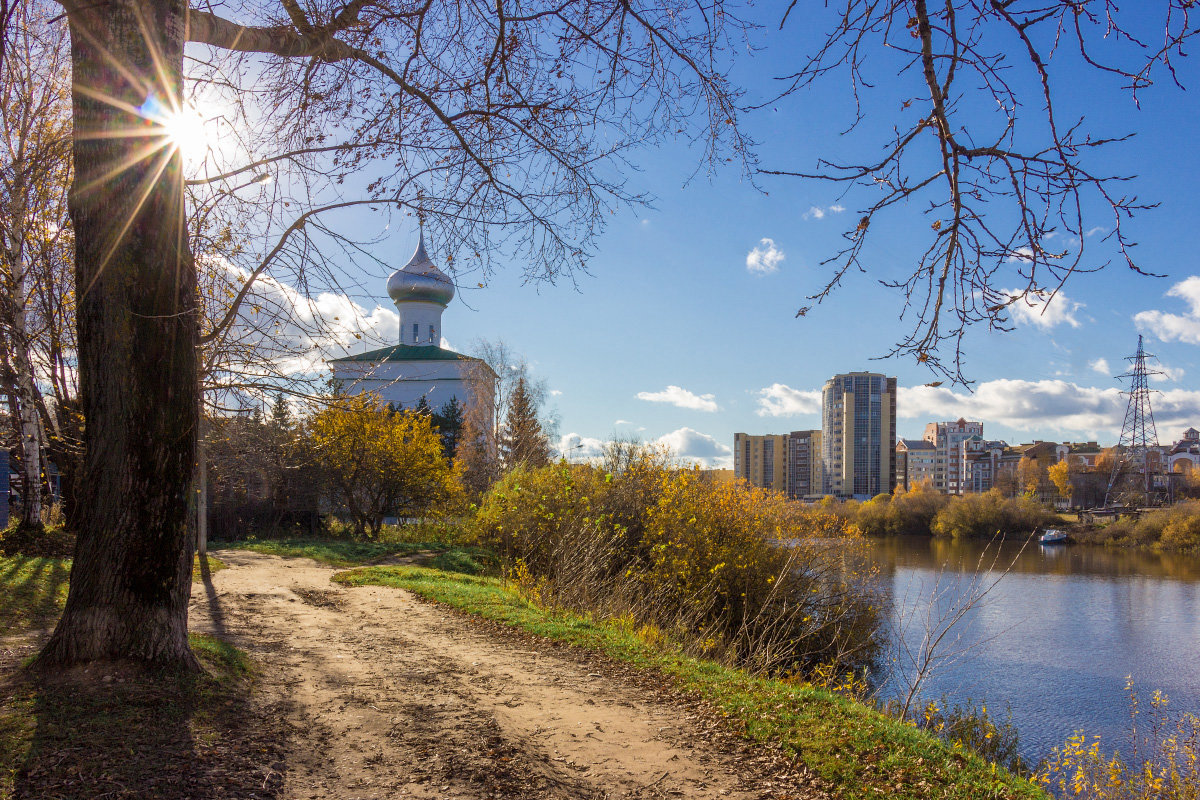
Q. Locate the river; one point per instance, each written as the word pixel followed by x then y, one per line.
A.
pixel 1057 636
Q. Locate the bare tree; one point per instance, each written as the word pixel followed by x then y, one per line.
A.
pixel 498 124
pixel 34 232
pixel 1009 187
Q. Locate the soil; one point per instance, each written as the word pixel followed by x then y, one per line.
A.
pixel 386 696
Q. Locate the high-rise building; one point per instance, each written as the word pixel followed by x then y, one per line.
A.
pixel 949 440
pixel 858 435
pixel 804 464
pixel 761 461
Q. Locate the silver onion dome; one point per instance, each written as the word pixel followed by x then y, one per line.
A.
pixel 420 280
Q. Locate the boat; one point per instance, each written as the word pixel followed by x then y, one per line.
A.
pixel 1052 536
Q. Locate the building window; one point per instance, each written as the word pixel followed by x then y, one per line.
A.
pixel 431 339
pixel 416 333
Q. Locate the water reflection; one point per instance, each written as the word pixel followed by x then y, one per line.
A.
pixel 1060 632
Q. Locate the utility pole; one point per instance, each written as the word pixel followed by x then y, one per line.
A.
pixel 1132 482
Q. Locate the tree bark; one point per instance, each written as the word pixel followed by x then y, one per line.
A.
pixel 137 324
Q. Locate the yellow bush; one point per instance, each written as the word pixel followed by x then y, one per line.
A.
pixel 720 569
pixel 1163 764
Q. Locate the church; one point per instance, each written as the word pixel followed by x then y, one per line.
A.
pixel 418 367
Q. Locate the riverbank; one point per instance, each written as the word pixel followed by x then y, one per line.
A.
pixel 835 746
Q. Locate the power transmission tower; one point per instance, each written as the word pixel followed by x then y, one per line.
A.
pixel 1137 478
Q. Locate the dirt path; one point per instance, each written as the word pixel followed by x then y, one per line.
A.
pixel 393 697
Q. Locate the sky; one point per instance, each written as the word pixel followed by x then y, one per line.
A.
pixel 685 330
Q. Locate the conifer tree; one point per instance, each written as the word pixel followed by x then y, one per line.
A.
pixel 522 440
pixel 449 422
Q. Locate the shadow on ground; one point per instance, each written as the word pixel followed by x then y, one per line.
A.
pixel 123 733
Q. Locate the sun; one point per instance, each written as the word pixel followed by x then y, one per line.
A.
pixel 186 130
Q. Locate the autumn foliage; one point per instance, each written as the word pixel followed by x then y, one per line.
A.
pixel 379 462
pixel 722 570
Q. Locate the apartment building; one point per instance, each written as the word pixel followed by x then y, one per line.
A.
pixel 950 458
pixel 804 464
pixel 858 435
pixel 916 462
pixel 761 460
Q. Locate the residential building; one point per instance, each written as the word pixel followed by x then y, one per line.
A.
pixel 982 462
pixel 761 460
pixel 916 461
pixel 948 440
pixel 804 464
pixel 858 435
pixel 1184 455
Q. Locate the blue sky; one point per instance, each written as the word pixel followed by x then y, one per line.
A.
pixel 685 330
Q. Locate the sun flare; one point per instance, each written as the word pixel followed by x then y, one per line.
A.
pixel 186 130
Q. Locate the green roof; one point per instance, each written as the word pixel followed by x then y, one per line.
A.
pixel 406 352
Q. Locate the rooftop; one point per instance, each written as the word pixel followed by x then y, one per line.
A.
pixel 405 352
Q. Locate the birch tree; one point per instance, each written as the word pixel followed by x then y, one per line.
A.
pixel 35 130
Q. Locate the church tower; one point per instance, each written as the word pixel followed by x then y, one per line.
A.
pixel 418 367
pixel 421 293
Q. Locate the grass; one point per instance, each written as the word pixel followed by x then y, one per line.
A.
pixel 346 553
pixel 122 731
pixel 860 753
pixel 87 737
pixel 33 590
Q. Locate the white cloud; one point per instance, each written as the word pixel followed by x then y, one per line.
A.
pixel 1175 327
pixel 575 447
pixel 764 259
pixel 817 212
pixel 1046 405
pixel 1090 232
pixel 778 400
pixel 622 422
pixel 693 446
pixel 297 333
pixel 1173 374
pixel 681 398
pixel 555 393
pixel 1046 313
pixel 1100 365
pixel 1021 254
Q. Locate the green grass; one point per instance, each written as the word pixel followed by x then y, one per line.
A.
pixel 32 592
pixel 344 553
pixel 214 565
pixel 115 728
pixel 857 751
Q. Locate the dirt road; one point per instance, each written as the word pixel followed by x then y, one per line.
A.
pixel 392 697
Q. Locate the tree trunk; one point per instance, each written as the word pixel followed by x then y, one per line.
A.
pixel 137 325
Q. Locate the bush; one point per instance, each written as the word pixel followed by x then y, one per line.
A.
pixel 1163 762
pixel 905 513
pixel 975 516
pixel 974 728
pixel 1176 529
pixel 722 570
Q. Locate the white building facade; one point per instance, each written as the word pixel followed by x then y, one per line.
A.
pixel 418 367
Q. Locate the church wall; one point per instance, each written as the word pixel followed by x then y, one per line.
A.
pixel 404 383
